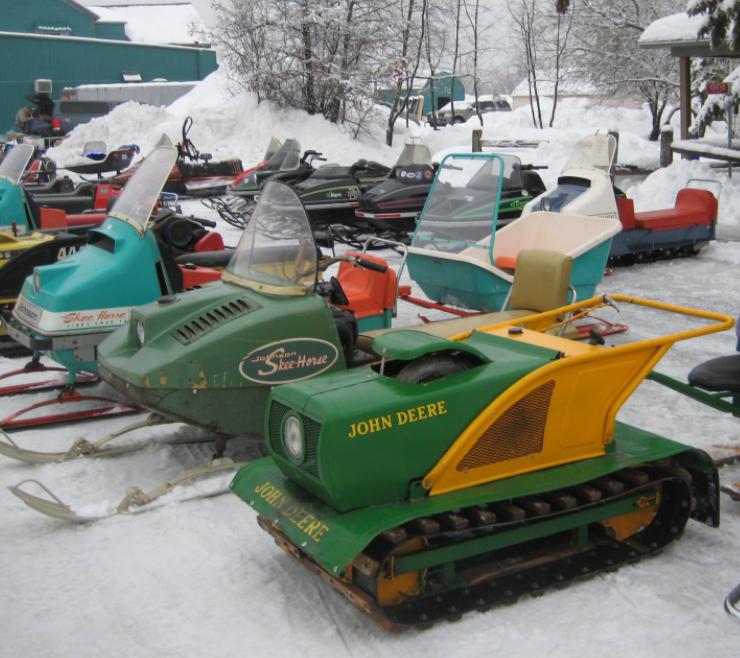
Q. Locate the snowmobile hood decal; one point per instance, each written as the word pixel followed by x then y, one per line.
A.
pixel 291 360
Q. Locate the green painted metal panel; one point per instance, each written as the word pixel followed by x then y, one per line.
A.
pixel 335 538
pixel 71 18
pixel 202 380
pixel 69 62
pixel 377 435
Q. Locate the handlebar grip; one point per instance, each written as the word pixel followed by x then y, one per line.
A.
pixel 371 265
pixel 209 223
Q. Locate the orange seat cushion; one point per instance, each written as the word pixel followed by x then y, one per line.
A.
pixel 505 262
pixel 693 206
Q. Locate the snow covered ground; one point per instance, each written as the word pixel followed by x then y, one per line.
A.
pixel 200 578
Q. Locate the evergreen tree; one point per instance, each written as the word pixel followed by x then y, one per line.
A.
pixel 722 22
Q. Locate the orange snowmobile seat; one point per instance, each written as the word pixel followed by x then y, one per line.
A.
pixel 693 206
pixel 369 293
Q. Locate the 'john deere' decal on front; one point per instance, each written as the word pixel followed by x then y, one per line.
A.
pixel 301 518
pixel 289 360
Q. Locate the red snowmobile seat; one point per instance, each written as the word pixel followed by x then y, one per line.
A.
pixel 369 292
pixel 693 206
pixel 56 218
pixel 626 210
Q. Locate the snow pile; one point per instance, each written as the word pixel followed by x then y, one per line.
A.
pixel 229 124
pixel 225 124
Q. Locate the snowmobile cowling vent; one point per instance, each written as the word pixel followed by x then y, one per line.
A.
pixel 210 320
pixel 518 432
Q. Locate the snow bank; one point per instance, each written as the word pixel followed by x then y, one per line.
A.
pixel 229 124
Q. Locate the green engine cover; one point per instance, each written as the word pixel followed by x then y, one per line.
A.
pixel 370 438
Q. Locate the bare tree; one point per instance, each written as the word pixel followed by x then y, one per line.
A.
pixel 607 33
pixel 319 55
pixel 407 64
pixel 523 13
pixel 474 26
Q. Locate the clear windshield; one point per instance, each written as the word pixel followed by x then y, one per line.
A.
pixel 277 251
pixel 462 209
pixel 272 148
pixel 593 152
pixel 292 157
pixel 414 154
pixel 137 200
pixel 289 146
pixel 15 161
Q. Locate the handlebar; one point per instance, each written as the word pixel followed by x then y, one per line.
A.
pixel 208 223
pixel 354 260
pixel 368 264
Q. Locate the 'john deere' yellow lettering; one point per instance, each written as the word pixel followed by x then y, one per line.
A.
pixel 301 518
pixel 399 418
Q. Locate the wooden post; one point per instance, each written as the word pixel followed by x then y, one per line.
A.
pixel 666 139
pixel 684 75
pixel 477 137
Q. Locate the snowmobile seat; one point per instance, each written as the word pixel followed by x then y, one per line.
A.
pixel 56 218
pixel 626 211
pixel 693 206
pixel 117 161
pixel 541 283
pixel 370 293
pixel 720 374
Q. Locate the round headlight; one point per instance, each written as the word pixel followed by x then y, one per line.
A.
pixel 36 281
pixel 139 326
pixel 293 438
pixel 546 204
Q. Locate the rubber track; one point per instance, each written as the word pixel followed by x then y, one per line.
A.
pixel 595 557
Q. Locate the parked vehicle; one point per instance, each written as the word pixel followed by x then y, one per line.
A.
pixel 465 110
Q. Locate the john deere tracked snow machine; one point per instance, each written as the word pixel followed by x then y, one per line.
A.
pixel 461 473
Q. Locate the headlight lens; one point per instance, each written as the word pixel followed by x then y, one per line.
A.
pixel 139 326
pixel 36 281
pixel 293 438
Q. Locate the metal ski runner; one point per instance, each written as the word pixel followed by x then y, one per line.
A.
pixel 732 602
pixel 135 501
pixel 84 448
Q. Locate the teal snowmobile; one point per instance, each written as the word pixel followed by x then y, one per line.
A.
pixel 66 309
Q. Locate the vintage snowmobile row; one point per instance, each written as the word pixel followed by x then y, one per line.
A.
pixel 186 344
pixel 67 308
pixel 330 193
pixel 423 472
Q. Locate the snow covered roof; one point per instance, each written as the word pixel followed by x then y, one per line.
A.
pixel 159 23
pixel 567 86
pixel 676 29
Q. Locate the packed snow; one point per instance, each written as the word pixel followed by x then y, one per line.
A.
pixel 199 578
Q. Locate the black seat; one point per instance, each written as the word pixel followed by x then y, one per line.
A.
pixel 720 374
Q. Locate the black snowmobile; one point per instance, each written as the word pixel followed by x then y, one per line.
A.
pixel 330 193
